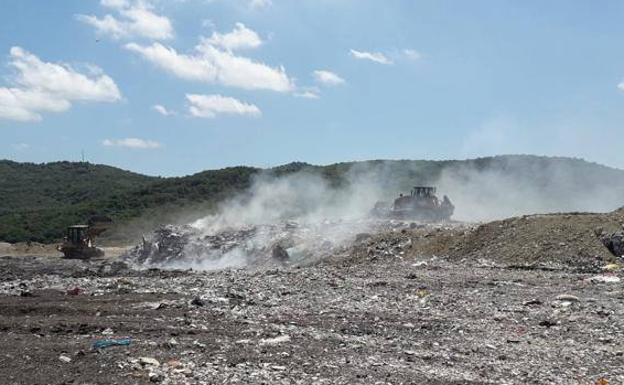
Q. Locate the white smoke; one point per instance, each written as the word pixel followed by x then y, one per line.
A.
pixel 312 215
pixel 304 197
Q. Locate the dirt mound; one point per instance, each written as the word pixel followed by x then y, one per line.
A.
pixel 619 213
pixel 581 241
pixel 554 240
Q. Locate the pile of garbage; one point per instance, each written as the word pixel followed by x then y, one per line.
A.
pixel 288 242
pixel 615 243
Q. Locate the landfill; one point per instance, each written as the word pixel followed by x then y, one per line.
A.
pixel 336 302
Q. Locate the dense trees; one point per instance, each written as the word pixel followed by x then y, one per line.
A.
pixel 37 201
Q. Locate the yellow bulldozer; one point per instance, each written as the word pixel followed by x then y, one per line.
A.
pixel 421 204
pixel 79 241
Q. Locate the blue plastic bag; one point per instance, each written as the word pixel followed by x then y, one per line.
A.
pixel 108 342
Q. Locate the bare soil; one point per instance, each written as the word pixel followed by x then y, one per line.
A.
pixel 461 305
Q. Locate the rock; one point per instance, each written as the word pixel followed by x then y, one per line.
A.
pixel 149 361
pixel 64 358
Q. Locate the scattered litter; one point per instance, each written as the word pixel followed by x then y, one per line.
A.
pixel 567 298
pixel 108 342
pixel 149 361
pixel 612 267
pixel 275 341
pixel 197 302
pixel 65 358
pixel 604 279
pixel 74 291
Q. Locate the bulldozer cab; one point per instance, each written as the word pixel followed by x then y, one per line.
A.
pixel 79 241
pixel 423 192
pixel 77 234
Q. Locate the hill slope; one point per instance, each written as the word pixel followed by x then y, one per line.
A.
pixel 37 201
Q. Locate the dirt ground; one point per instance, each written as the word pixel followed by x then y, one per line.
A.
pixel 27 249
pixel 385 319
pixel 532 300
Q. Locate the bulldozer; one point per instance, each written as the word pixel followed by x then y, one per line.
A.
pixel 421 204
pixel 79 241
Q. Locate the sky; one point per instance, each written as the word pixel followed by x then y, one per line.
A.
pixel 179 86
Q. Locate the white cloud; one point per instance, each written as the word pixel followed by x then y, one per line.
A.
pixel 134 143
pixel 620 86
pixel 258 4
pixel 62 80
pixel 209 106
pixel 162 110
pixel 308 93
pixel 328 78
pixel 240 38
pixel 117 4
pixel 210 64
pixel 412 54
pixel 50 87
pixel 376 57
pixel 133 20
pixel 26 105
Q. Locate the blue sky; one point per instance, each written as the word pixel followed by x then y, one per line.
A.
pixel 175 87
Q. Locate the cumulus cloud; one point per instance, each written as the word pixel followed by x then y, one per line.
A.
pixel 376 57
pixel 136 19
pixel 117 4
pixel 209 106
pixel 40 86
pixel 211 64
pixel 328 78
pixel 620 86
pixel 239 38
pixel 162 110
pixel 134 143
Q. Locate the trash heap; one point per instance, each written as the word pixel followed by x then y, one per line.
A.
pixel 615 243
pixel 288 242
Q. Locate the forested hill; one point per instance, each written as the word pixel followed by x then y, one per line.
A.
pixel 37 201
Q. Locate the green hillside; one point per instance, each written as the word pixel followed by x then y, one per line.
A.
pixel 37 201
